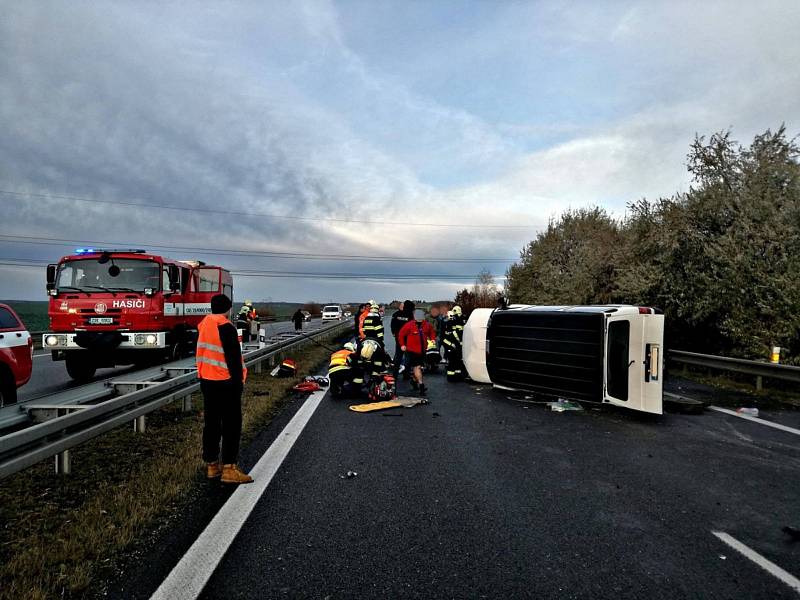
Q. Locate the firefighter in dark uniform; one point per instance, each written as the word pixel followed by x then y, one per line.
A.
pixel 368 361
pixel 453 337
pixel 373 324
pixel 340 371
pixel 244 318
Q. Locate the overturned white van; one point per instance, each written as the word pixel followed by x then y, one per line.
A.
pixel 607 354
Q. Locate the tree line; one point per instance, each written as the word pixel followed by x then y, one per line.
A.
pixel 721 260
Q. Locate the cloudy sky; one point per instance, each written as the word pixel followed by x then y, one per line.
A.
pixel 333 131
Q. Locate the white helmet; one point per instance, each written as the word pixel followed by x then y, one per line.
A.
pixel 248 303
pixel 455 311
pixel 350 346
pixel 368 348
pixel 374 305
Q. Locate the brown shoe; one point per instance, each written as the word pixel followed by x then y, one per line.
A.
pixel 232 474
pixel 213 470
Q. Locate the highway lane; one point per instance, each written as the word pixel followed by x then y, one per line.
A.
pixel 49 377
pixel 478 495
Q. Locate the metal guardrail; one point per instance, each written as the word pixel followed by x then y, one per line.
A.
pixel 33 444
pixel 737 365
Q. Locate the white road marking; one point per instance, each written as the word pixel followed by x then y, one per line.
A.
pixel 39 355
pixel 190 575
pixel 756 420
pixel 769 566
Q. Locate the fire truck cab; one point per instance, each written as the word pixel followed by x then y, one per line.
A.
pixel 111 307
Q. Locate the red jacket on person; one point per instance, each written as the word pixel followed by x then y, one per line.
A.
pixel 415 335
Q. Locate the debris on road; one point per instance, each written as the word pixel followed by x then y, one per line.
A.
pixel 752 412
pixel 681 404
pixel 793 533
pixel 564 405
pixel 348 475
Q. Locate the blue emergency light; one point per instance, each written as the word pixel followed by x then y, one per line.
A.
pixel 109 250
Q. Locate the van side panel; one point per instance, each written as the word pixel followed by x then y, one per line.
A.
pixel 553 353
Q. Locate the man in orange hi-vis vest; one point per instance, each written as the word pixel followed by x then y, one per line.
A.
pixel 221 370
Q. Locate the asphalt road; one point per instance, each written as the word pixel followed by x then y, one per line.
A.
pixel 49 377
pixel 478 495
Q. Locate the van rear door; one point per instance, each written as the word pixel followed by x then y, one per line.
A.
pixel 634 362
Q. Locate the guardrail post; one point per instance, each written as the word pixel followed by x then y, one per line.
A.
pixel 759 383
pixel 63 463
pixel 187 403
pixel 140 424
pixel 257 367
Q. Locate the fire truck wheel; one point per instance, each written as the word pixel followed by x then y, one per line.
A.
pixel 8 390
pixel 175 352
pixel 80 369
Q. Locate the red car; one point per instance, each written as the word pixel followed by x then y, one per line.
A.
pixel 16 355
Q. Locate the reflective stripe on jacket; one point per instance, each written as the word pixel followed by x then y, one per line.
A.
pixel 454 330
pixel 373 327
pixel 210 356
pixel 339 361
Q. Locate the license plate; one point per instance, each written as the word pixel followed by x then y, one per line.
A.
pixel 101 321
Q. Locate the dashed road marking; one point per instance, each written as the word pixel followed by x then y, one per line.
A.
pixel 756 420
pixel 190 575
pixel 769 566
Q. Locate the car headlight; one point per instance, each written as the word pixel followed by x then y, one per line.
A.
pixel 138 339
pixel 51 340
pixel 150 339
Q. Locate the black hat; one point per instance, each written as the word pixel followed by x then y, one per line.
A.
pixel 220 304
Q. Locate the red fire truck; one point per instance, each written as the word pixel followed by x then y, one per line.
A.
pixel 112 307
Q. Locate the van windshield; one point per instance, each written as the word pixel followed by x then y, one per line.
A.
pixel 88 275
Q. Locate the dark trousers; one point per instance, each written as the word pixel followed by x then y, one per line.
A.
pixel 455 364
pixel 245 326
pixel 223 420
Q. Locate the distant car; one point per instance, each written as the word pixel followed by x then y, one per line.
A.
pixel 16 355
pixel 347 314
pixel 306 315
pixel 332 312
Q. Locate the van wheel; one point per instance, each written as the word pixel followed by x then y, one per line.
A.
pixel 8 388
pixel 80 369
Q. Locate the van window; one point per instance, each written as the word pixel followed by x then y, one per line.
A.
pixel 619 333
pixel 7 320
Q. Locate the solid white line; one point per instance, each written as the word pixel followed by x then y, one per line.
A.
pixel 756 420
pixel 38 355
pixel 770 567
pixel 193 571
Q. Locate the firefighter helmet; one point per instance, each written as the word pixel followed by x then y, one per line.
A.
pixel 350 346
pixel 368 349
pixel 248 303
pixel 455 311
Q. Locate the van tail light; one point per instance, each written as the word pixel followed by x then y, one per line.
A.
pixel 643 310
pixel 30 344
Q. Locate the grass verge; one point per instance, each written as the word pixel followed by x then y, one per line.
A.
pixel 775 394
pixel 58 533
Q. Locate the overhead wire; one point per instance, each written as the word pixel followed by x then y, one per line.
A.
pixel 21 239
pixel 36 263
pixel 236 213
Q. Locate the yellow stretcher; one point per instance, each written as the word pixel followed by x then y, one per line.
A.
pixel 399 402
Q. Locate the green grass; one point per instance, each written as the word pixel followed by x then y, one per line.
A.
pixel 32 312
pixel 60 535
